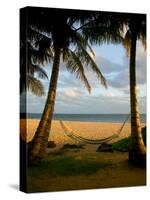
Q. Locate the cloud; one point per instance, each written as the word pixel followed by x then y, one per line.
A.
pixel 72 97
pixel 35 104
pixel 73 92
pixel 100 103
pixel 107 66
pixel 117 75
pixel 121 78
pixel 142 104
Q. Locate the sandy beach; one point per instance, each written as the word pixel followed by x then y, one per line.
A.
pixel 117 174
pixel 91 130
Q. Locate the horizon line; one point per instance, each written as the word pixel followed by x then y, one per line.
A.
pixel 84 113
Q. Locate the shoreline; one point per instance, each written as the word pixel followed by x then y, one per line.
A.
pixel 57 120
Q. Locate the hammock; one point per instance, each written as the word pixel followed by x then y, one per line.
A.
pixel 70 133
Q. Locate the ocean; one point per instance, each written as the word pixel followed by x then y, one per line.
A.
pixel 115 118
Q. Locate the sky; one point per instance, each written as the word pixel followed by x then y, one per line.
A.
pixel 72 97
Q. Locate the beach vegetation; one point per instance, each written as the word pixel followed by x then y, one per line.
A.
pixel 124 144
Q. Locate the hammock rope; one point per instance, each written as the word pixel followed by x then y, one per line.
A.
pixel 70 133
pixel 74 136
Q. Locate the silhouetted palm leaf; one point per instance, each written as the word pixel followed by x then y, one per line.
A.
pixel 88 61
pixel 127 42
pixel 35 86
pixel 74 65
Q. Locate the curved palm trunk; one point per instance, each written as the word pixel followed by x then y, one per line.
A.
pixel 137 153
pixel 40 140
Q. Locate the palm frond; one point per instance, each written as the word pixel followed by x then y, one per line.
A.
pixel 107 28
pixel 35 86
pixel 142 34
pixel 127 42
pixel 88 61
pixel 74 65
pixel 85 44
pixel 34 68
pixel 40 50
pixel 143 40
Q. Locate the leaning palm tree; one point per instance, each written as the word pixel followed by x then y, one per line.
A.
pixel 136 31
pixel 67 42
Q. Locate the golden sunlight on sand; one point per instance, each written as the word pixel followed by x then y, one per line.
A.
pixel 92 130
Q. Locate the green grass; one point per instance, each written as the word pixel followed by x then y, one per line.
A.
pixel 124 144
pixel 66 166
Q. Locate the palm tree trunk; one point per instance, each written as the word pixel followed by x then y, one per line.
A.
pixel 137 153
pixel 40 140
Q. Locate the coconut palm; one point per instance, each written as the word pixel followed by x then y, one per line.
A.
pixel 136 31
pixel 67 42
pixel 113 30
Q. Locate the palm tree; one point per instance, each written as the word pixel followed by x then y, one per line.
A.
pixel 113 30
pixel 67 42
pixel 136 31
